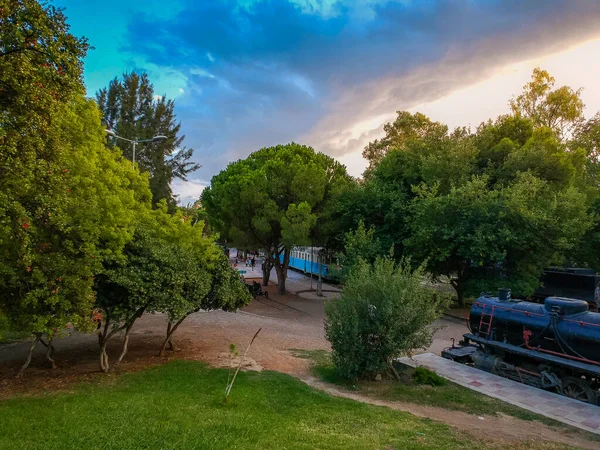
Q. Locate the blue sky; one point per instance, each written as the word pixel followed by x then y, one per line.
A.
pixel 251 73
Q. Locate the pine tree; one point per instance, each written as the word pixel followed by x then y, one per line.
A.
pixel 132 110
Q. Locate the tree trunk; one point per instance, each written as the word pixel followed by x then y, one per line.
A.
pixel 168 339
pixel 266 269
pixel 280 279
pixel 124 350
pixel 457 285
pixel 393 370
pixel 31 349
pixel 281 267
pixel 49 351
pixel 104 358
pixel 105 337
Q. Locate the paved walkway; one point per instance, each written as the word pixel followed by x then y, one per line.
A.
pixel 554 406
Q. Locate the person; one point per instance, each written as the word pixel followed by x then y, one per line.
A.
pixel 253 262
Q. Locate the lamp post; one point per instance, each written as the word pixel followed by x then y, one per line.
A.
pixel 159 138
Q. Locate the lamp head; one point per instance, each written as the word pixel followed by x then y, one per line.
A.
pixel 159 138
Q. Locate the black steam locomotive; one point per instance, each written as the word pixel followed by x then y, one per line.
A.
pixel 554 345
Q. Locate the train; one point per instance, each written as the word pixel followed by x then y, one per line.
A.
pixel 570 282
pixel 306 260
pixel 554 345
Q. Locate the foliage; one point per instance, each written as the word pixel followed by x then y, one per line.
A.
pixel 166 268
pixel 132 111
pixel 407 128
pixel 272 200
pixel 559 109
pixel 423 375
pixel 459 200
pixel 384 311
pixel 219 287
pixel 479 234
pixel 66 204
pixel 189 394
pixel 360 245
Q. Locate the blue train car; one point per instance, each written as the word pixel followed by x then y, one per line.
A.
pixel 305 259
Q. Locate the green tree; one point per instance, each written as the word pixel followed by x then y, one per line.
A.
pixel 165 268
pixel 66 203
pixel 272 200
pixel 479 236
pixel 559 109
pixel 406 128
pixel 587 139
pixel 384 312
pixel 360 245
pixel 382 201
pixel 225 291
pixel 132 111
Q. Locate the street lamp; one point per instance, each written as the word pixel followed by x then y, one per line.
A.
pixel 159 138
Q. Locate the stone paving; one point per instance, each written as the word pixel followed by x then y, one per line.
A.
pixel 554 406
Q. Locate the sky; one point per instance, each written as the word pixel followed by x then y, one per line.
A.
pixel 247 74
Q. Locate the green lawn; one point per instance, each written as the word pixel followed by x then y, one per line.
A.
pixel 180 405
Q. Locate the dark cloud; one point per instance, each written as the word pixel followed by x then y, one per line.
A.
pixel 263 72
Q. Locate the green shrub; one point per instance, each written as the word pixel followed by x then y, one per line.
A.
pixel 384 312
pixel 423 375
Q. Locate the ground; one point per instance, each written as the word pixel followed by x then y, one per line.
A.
pixel 286 322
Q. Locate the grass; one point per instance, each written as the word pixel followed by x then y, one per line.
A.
pixel 448 396
pixel 180 405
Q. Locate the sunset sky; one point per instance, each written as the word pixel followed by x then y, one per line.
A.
pixel 253 73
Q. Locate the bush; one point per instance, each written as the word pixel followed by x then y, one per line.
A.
pixel 423 375
pixel 384 312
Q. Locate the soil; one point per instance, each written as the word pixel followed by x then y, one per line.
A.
pixel 286 322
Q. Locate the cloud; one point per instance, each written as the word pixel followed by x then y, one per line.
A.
pixel 188 191
pixel 329 73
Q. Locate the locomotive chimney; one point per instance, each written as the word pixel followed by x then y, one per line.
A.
pixel 504 294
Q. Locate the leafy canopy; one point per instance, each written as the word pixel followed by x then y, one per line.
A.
pixel 273 199
pixel 66 203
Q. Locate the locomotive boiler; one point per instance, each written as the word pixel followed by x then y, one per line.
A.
pixel 554 345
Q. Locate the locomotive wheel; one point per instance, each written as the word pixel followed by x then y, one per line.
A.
pixel 578 389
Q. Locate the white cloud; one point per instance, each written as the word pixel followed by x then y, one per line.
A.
pixel 188 191
pixel 157 98
pixel 181 91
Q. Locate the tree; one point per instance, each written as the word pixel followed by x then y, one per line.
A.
pixel 272 200
pixel 406 128
pixel 384 311
pixel 382 201
pixel 66 203
pixel 587 138
pixel 479 236
pixel 226 292
pixel 165 268
pixel 559 109
pixel 131 109
pixel 361 245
